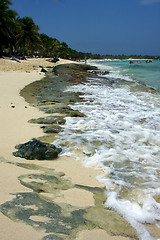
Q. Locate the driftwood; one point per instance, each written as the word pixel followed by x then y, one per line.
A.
pixel 54 60
pixel 15 59
pixel 12 58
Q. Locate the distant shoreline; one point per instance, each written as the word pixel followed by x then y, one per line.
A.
pixel 116 59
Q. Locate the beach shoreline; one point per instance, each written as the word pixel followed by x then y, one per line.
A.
pixel 15 129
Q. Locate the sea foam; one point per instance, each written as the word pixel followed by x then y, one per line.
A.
pixel 121 135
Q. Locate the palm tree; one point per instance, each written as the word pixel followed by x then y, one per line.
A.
pixel 29 37
pixel 49 45
pixel 7 23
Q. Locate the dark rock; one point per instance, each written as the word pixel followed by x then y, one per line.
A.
pixel 54 60
pixel 35 149
pixel 76 113
pixel 43 70
pixel 99 72
pixel 63 110
pixel 49 67
pixel 51 129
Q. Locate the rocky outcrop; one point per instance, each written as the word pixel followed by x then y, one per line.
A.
pixel 43 70
pixel 35 149
pixel 49 120
pixel 51 129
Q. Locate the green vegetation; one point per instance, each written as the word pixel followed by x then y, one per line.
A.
pixel 20 37
pixel 7 24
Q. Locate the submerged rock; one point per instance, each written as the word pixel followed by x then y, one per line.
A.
pixel 99 72
pixel 66 110
pixel 35 149
pixel 51 129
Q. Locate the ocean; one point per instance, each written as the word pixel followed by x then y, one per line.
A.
pixel 121 135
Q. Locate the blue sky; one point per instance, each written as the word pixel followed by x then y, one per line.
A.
pixel 98 26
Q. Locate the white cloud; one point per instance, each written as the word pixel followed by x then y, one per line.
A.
pixel 147 2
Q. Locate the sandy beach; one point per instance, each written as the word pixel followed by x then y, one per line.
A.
pixel 15 129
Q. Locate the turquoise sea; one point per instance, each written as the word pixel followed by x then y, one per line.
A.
pixel 121 135
pixel 139 70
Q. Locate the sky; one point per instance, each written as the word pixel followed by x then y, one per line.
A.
pixel 98 26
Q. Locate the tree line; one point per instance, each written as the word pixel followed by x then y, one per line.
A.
pixel 20 37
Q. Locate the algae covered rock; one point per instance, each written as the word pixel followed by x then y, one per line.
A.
pixel 36 149
pixel 51 129
pixel 48 120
